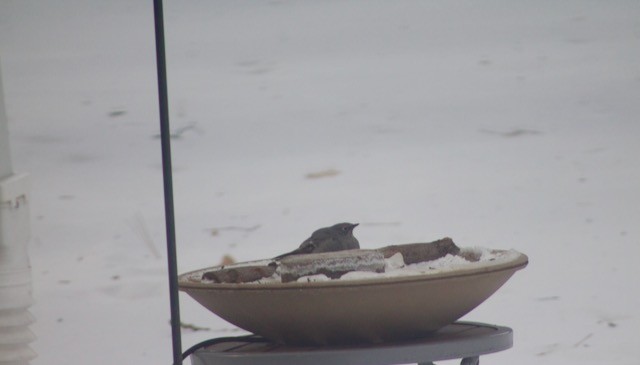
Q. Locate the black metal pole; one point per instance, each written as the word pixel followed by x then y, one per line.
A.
pixel 168 182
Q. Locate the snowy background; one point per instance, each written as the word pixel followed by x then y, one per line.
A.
pixel 498 123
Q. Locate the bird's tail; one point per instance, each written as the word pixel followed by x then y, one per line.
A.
pixel 284 255
pixel 297 251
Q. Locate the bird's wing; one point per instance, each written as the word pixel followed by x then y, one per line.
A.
pixel 308 246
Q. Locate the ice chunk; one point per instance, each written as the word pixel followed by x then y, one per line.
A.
pixel 331 264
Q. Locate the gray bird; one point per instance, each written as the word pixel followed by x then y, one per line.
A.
pixel 335 238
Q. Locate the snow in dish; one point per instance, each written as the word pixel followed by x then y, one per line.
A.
pixel 468 258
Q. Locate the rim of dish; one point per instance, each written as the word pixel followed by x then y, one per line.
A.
pixel 518 262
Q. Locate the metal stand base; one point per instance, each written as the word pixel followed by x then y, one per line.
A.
pixel 460 340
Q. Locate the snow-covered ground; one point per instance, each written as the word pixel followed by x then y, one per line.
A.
pixel 498 123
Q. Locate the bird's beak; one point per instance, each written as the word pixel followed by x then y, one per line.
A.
pixel 354 225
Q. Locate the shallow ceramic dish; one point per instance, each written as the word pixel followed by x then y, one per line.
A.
pixel 367 310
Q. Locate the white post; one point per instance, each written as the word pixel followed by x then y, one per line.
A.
pixel 5 153
pixel 15 270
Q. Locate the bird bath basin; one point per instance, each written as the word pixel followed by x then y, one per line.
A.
pixel 369 307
